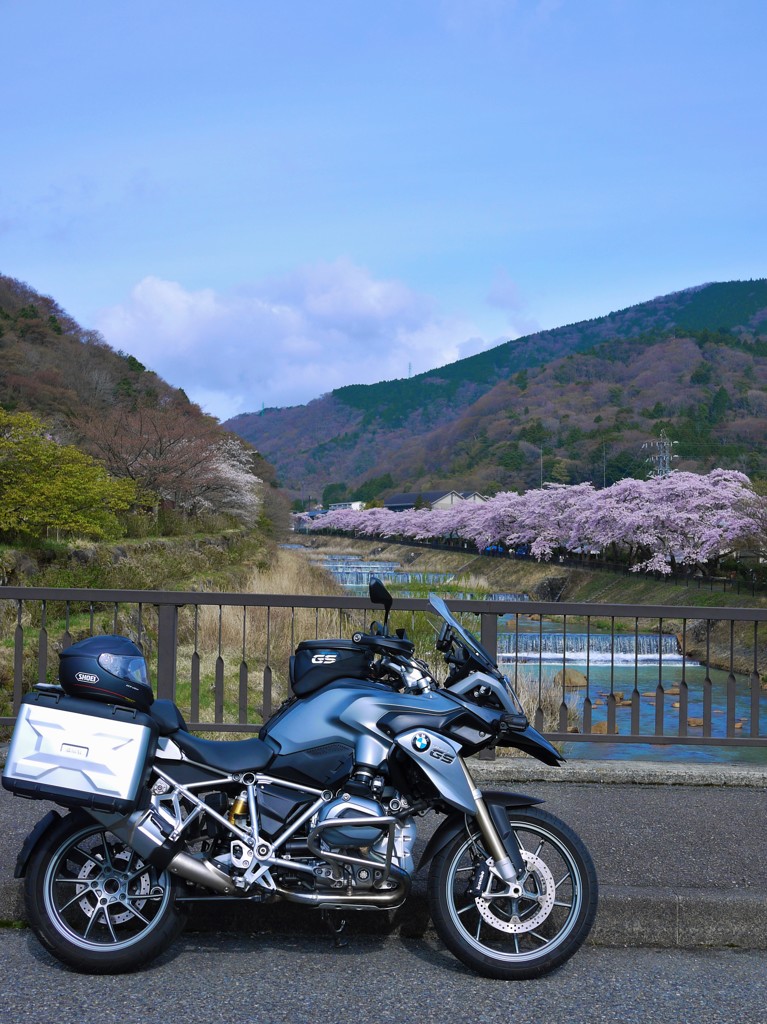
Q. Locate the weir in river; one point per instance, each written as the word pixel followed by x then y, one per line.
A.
pixel 354 574
pixel 610 665
pixel 600 647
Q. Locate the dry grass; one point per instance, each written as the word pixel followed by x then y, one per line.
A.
pixel 263 639
pixel 547 697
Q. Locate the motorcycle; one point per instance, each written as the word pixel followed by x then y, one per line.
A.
pixel 320 809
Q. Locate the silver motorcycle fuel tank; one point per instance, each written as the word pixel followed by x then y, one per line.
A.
pixel 347 712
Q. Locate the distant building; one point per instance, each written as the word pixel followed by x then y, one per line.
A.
pixel 431 499
pixel 355 506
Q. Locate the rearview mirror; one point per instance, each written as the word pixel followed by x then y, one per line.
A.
pixel 379 594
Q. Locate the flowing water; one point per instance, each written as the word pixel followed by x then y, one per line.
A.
pixel 615 663
pixel 354 575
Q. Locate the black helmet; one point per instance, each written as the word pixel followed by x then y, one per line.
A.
pixel 106 668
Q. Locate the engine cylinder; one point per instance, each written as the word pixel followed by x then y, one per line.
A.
pixel 331 828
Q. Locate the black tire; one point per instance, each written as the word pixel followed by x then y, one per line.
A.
pixel 94 904
pixel 516 937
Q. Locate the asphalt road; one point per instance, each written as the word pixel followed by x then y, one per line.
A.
pixel 277 979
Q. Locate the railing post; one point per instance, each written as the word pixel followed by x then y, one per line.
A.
pixel 488 635
pixel 167 643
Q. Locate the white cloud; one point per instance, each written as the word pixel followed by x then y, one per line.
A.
pixel 504 294
pixel 284 340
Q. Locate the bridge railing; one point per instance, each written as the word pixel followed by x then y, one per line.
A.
pixel 613 674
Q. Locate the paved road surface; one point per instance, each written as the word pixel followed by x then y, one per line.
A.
pixel 278 979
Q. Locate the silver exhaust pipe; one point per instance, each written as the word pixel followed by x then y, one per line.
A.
pixel 202 872
pixel 143 832
pixel 375 899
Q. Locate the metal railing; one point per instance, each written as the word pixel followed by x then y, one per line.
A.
pixel 586 672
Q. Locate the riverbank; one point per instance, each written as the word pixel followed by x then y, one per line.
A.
pixel 543 581
pixel 546 581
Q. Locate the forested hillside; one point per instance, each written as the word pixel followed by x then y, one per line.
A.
pixel 570 404
pixel 86 431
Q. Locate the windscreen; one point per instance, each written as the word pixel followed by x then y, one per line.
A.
pixel 472 644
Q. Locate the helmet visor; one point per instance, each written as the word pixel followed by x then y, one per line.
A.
pixel 128 667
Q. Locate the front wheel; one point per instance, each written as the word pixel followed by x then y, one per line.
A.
pixel 94 903
pixel 522 931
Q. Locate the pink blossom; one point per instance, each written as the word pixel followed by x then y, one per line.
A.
pixel 683 518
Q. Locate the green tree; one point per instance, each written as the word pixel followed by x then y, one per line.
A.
pixel 534 432
pixel 701 374
pixel 47 486
pixel 372 488
pixel 332 493
pixel 720 403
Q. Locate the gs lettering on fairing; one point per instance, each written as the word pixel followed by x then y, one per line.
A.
pixel 321 809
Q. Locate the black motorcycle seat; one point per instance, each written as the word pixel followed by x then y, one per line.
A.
pixel 226 755
pixel 167 716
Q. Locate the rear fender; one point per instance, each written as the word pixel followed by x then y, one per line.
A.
pixel 34 837
pixel 455 823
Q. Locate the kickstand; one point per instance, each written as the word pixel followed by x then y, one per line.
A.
pixel 335 922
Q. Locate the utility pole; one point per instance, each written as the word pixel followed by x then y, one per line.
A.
pixel 662 455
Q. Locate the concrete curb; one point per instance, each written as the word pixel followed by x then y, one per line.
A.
pixel 511 770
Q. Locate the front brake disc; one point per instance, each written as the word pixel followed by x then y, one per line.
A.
pixel 529 910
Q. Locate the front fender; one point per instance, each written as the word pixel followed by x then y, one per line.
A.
pixel 455 822
pixel 531 742
pixel 32 840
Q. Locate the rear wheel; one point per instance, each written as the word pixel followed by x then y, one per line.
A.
pixel 94 903
pixel 522 931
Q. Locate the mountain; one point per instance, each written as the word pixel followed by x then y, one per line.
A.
pixel 54 368
pixel 88 394
pixel 569 404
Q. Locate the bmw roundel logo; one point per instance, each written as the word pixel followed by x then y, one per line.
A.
pixel 421 741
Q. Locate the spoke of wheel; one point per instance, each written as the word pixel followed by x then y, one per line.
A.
pixel 77 881
pixel 459 871
pixel 564 877
pixel 516 942
pixel 86 855
pixel 92 921
pixel 542 938
pixel 561 903
pixel 138 874
pixel 540 847
pixel 109 923
pixel 500 913
pixel 479 927
pixel 133 910
pixel 467 907
pixel 78 896
pixel 79 848
pixel 107 851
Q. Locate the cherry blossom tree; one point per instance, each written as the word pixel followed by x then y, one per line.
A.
pixel 680 519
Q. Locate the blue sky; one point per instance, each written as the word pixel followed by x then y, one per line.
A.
pixel 266 201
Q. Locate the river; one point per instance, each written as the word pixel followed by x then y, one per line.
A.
pixel 614 662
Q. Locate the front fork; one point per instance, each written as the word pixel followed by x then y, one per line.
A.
pixel 499 837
